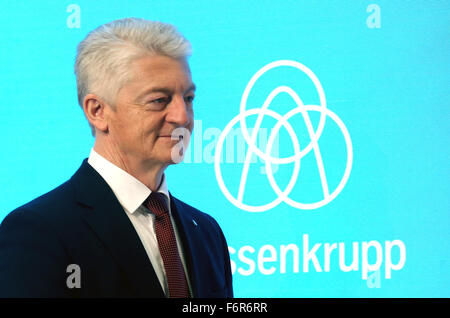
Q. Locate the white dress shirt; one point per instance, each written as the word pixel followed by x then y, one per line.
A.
pixel 131 193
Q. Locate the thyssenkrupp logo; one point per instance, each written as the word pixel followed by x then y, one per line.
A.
pixel 282 121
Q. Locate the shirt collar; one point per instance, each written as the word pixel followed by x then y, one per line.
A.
pixel 130 192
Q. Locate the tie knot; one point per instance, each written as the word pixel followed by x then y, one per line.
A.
pixel 156 203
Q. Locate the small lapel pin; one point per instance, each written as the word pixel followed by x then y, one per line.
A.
pixel 195 223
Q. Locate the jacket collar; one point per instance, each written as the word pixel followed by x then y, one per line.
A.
pixel 129 191
pixel 107 219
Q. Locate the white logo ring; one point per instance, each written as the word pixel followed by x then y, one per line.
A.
pixel 283 121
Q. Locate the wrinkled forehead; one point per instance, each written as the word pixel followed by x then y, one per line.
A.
pixel 159 68
pixel 158 73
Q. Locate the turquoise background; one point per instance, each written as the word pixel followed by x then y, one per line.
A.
pixel 388 85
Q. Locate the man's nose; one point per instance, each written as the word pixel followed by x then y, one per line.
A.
pixel 178 112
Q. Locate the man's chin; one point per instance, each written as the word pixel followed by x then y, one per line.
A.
pixel 177 156
pixel 177 153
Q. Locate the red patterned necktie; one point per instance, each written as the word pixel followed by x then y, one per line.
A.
pixel 176 278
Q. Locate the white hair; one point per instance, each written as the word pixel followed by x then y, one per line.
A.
pixel 104 56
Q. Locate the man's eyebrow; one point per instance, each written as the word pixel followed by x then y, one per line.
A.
pixel 191 88
pixel 163 90
pixel 154 90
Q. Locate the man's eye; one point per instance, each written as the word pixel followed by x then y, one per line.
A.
pixel 189 99
pixel 161 100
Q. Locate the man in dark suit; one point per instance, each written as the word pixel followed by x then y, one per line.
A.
pixel 114 229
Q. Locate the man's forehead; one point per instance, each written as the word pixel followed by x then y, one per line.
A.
pixel 159 64
pixel 160 73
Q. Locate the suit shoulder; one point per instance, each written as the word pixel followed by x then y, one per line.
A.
pixel 46 205
pixel 32 254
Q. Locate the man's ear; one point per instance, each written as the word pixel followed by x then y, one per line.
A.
pixel 94 110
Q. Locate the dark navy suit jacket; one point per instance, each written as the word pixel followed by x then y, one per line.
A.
pixel 81 222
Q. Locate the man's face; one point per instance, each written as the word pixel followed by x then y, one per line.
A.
pixel 156 101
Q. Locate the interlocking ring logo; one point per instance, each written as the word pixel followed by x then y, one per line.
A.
pixel 283 195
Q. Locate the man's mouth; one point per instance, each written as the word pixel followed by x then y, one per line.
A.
pixel 174 137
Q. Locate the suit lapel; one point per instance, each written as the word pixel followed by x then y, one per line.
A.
pixel 190 238
pixel 108 220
